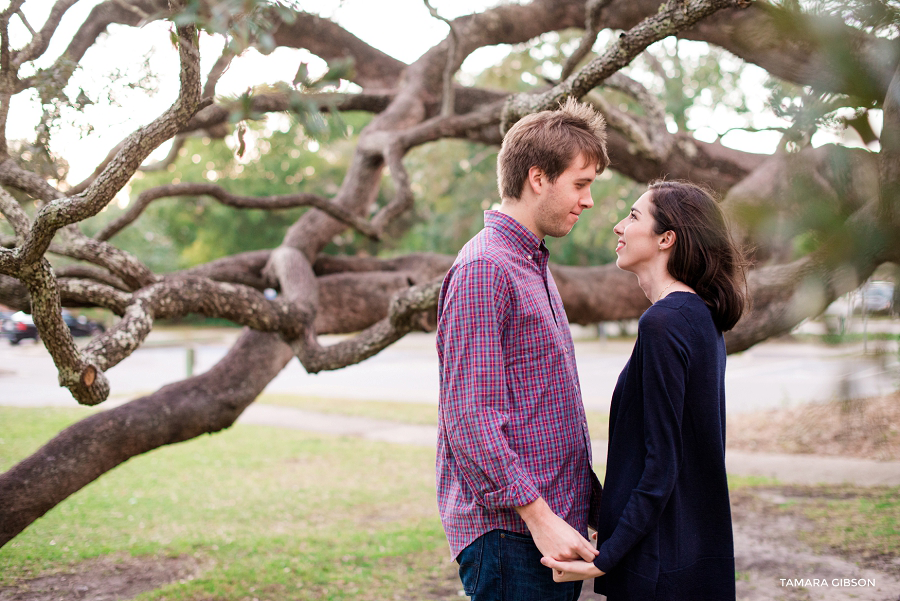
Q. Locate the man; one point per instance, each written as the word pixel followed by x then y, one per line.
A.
pixel 514 477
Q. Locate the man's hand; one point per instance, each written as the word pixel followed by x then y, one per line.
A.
pixel 570 571
pixel 553 536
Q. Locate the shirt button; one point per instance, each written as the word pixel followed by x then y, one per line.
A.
pixel 529 257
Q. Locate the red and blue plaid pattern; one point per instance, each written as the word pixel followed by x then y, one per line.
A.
pixel 511 421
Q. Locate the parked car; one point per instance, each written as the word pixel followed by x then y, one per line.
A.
pixel 81 325
pixel 18 327
pixel 874 297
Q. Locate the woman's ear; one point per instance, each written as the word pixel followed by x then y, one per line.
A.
pixel 667 240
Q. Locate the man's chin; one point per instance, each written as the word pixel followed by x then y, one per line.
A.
pixel 561 232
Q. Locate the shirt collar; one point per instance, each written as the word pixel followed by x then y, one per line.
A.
pixel 515 232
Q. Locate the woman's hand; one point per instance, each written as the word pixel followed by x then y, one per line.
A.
pixel 570 571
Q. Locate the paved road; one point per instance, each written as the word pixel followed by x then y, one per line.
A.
pixel 770 375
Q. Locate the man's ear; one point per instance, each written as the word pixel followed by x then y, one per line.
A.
pixel 537 179
pixel 667 240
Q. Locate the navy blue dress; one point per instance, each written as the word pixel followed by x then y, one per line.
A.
pixel 665 518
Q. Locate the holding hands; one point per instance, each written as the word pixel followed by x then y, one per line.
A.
pixel 569 571
pixel 565 551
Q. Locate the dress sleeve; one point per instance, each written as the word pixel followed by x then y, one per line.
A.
pixel 664 360
pixel 474 403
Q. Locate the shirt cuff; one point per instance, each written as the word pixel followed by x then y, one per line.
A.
pixel 519 493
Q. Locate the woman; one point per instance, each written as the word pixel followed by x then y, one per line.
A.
pixel 665 518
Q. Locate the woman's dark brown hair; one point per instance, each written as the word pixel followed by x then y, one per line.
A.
pixel 705 256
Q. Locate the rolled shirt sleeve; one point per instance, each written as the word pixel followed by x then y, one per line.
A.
pixel 474 399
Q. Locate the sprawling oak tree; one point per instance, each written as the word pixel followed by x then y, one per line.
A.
pixel 842 55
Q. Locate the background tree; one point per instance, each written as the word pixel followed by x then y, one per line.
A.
pixel 337 225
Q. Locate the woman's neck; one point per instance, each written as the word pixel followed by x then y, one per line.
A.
pixel 658 283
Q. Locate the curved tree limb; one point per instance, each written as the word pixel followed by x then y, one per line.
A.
pixel 40 40
pixel 285 201
pixel 593 9
pixel 447 94
pixel 329 41
pixel 180 296
pixel 89 272
pixel 216 115
pixel 889 158
pixel 89 293
pixel 133 273
pixel 84 379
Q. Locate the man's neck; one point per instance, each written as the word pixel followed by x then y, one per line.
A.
pixel 522 211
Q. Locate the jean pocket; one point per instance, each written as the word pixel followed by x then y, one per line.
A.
pixel 470 565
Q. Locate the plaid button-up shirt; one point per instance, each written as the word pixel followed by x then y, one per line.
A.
pixel 511 423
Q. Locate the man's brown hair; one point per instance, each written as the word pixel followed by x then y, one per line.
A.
pixel 550 140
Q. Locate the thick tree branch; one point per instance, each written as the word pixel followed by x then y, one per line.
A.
pixel 84 379
pixel 89 272
pixel 889 159
pixel 326 39
pixel 180 296
pixel 13 176
pixel 405 308
pixel 76 292
pixel 124 265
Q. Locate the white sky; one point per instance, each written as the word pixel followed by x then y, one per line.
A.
pixel 405 31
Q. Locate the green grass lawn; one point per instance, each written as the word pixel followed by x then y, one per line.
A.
pixel 274 513
pixel 853 520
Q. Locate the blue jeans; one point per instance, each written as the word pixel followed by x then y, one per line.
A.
pixel 506 566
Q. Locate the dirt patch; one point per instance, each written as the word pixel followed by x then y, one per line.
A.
pixel 774 562
pixel 104 579
pixel 862 428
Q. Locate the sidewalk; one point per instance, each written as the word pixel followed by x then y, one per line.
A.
pixel 787 469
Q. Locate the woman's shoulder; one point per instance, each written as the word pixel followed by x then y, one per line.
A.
pixel 666 309
pixel 671 316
